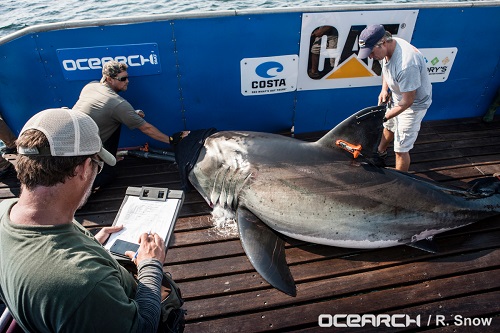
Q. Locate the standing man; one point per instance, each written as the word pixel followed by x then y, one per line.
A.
pixel 54 275
pixel 404 73
pixel 100 100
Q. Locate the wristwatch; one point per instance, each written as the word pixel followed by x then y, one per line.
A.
pixel 384 119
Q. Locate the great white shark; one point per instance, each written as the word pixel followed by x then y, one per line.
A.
pixel 317 192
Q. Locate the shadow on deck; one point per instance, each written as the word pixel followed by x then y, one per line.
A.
pixel 224 293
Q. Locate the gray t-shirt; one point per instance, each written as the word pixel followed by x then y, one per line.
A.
pixel 108 109
pixel 406 71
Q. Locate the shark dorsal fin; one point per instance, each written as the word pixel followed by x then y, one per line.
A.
pixel 362 128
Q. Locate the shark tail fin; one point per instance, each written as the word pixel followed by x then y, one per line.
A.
pixel 266 251
pixel 485 186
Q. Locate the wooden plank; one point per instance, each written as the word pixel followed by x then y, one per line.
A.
pixel 446 314
pixel 300 314
pixel 493 328
pixel 314 262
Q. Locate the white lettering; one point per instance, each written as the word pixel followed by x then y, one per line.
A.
pixel 69 65
pixel 384 319
pixel 95 63
pixel 369 319
pixel 355 320
pixel 464 321
pixel 336 318
pixel 85 64
pixel 121 59
pixel 410 321
pixel 325 323
pixel 131 60
pixel 394 318
pixel 145 60
pixel 106 59
pixel 80 66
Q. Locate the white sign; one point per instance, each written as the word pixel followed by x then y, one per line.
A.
pixel 269 75
pixel 329 47
pixel 439 62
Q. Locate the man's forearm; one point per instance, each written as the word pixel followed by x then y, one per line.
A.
pixel 403 104
pixel 154 133
pixel 148 296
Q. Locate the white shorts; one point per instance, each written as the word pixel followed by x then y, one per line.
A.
pixel 405 128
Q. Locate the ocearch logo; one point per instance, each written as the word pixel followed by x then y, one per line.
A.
pixel 85 64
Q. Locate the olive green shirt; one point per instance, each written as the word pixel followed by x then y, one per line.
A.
pixel 60 279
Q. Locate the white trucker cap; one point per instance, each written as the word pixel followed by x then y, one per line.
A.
pixel 70 133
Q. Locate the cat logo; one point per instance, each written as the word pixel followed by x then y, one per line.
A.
pixel 330 43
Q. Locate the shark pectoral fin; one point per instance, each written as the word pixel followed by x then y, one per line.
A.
pixel 427 245
pixel 266 251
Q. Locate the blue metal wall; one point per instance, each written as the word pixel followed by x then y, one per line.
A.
pixel 199 85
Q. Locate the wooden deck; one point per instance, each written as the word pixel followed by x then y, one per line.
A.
pixel 224 293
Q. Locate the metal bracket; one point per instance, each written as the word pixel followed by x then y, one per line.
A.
pixel 153 193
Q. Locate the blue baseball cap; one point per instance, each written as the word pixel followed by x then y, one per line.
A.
pixel 368 38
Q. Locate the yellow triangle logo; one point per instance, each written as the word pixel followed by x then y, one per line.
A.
pixel 349 69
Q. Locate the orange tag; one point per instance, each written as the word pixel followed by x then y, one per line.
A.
pixel 355 150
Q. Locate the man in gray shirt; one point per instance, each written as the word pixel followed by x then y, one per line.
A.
pixel 100 100
pixel 404 72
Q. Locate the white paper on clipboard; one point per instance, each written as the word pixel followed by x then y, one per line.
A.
pixel 139 216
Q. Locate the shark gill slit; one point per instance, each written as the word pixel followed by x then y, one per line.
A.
pixel 233 189
pixel 218 183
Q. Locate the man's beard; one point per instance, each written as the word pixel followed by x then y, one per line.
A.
pixel 88 191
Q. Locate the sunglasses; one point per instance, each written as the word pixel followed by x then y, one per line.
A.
pixel 100 165
pixel 121 79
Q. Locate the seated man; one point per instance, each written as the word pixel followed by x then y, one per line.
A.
pixel 100 100
pixel 54 275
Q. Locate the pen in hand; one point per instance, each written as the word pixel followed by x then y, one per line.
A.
pixel 137 252
pixel 135 255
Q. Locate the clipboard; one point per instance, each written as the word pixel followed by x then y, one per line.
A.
pixel 144 209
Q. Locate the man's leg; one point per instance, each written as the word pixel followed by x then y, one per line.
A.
pixel 408 126
pixel 402 161
pixel 387 137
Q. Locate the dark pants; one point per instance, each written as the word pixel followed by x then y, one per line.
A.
pixel 108 173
